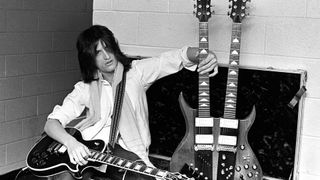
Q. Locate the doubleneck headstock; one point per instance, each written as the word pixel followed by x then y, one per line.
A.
pixel 237 10
pixel 203 10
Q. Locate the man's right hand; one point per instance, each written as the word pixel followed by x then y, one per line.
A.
pixel 78 152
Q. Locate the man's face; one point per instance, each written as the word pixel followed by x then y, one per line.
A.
pixel 106 61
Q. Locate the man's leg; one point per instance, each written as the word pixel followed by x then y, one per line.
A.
pixel 62 176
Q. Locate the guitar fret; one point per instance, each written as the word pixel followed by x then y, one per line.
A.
pixel 109 160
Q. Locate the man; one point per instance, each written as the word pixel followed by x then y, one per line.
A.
pixel 102 64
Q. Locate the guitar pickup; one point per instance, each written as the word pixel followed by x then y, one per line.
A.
pixel 204 122
pixel 204 139
pixel 229 123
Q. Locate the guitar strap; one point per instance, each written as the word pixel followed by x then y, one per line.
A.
pixel 117 108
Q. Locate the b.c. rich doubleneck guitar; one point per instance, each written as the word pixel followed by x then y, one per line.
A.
pixel 218 148
pixel 48 157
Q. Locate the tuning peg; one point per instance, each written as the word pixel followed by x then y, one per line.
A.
pixel 229 13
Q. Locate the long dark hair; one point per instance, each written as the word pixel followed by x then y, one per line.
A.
pixel 86 45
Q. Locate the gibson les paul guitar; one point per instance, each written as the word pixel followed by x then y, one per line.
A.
pixel 48 157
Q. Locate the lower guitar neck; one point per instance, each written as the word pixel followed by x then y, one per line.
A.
pixel 109 159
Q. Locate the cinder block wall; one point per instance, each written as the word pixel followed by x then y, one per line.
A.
pixel 279 34
pixel 38 66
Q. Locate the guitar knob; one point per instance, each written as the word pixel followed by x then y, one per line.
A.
pixel 242 147
pixel 238 168
pixel 250 174
pixel 246 166
pixel 254 167
pixel 224 157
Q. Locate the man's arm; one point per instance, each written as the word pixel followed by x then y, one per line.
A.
pixel 77 151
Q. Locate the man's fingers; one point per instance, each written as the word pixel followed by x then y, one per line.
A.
pixel 215 72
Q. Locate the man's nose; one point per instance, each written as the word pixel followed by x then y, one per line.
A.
pixel 105 54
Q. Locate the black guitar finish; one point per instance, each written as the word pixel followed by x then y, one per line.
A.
pixel 48 157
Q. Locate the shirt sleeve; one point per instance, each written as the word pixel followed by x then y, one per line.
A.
pixel 152 69
pixel 73 104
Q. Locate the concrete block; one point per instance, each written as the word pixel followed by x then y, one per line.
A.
pixel 309 159
pixel 127 22
pixel 105 19
pixel 39 5
pixel 2 66
pixel 70 5
pixel 2 111
pixel 141 5
pixel 311 120
pixel 37 42
pixel 3 153
pixel 65 81
pixel 63 21
pixel 21 65
pixel 181 6
pixel 20 21
pixel 17 151
pixel 10 131
pixel 313 8
pixel 102 5
pixel 167 30
pixel 11 43
pixel 32 127
pixel 11 4
pixel 71 61
pixel 51 62
pixel 20 108
pixel 293 37
pixel 10 88
pixel 275 8
pixel 3 24
pixel 64 41
pixel 47 102
pixel 36 85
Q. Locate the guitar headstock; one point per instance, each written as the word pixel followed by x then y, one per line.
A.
pixel 203 10
pixel 238 10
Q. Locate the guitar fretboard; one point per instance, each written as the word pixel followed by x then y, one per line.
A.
pixel 130 165
pixel 233 71
pixel 204 95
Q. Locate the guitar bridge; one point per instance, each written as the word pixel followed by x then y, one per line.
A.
pixel 204 147
pixel 226 148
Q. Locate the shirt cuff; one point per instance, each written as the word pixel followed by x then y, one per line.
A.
pixel 185 61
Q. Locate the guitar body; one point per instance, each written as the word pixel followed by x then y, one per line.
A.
pixel 184 153
pixel 48 158
pixel 246 163
pixel 45 160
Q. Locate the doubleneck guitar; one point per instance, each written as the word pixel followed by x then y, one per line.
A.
pixel 48 157
pixel 218 147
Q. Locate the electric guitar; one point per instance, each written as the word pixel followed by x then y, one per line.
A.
pixel 197 144
pixel 218 147
pixel 48 157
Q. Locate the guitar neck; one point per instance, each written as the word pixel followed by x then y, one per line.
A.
pixel 230 104
pixel 204 94
pixel 122 163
